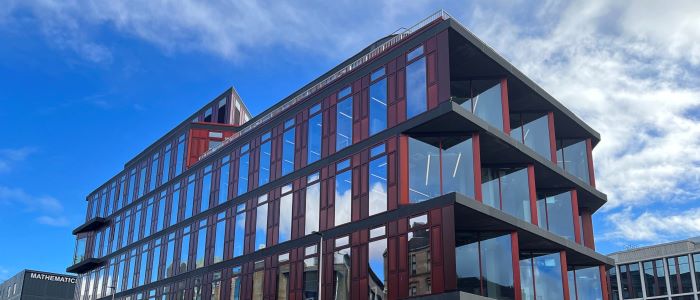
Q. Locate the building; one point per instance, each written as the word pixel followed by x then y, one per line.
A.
pixel 38 285
pixel 424 166
pixel 664 271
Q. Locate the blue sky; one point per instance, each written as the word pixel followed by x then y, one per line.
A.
pixel 84 86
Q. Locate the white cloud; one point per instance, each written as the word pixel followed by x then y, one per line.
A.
pixel 49 208
pixel 653 226
pixel 629 81
pixel 10 157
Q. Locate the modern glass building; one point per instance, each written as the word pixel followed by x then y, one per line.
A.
pixel 664 271
pixel 424 166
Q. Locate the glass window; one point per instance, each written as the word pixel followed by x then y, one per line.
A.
pixel 261 227
pixel 655 278
pixel 344 92
pixel 288 151
pixel 137 224
pixel 612 280
pixel 79 250
pixel 149 218
pixel 236 284
pixel 630 280
pixel 377 106
pixel 416 88
pixel 143 183
pixel 414 53
pixel 188 206
pixel 343 197
pixel 587 283
pixel 419 262
pixel 546 275
pixel 343 136
pixel 160 208
pixel 310 278
pixel 377 74
pixel 223 181
pixel 243 173
pixel 265 150
pixel 377 186
pixel 154 172
pixel 423 170
pixel 378 264
pixel 206 189
pixel 679 274
pixel 239 233
pixel 507 189
pixel 485 258
pixel 283 282
pixel 185 250
pixel 180 158
pixel 555 213
pixel 533 131
pixel 488 106
pixel 313 206
pixel 258 280
pixel 132 186
pixel 201 243
pixel 314 137
pixel 696 264
pixel 285 225
pixel 572 156
pixel 219 238
pixel 216 286
pixel 458 167
pixel 165 176
pixel 170 256
pixel 342 262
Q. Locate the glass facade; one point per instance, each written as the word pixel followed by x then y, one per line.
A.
pixel 585 284
pixel 572 156
pixel 174 211
pixel 507 189
pixel 630 280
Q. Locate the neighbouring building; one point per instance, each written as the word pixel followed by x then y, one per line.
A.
pixel 664 271
pixel 424 166
pixel 38 285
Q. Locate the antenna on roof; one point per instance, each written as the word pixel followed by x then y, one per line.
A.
pixel 397 30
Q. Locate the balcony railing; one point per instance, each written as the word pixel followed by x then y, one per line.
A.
pixel 398 37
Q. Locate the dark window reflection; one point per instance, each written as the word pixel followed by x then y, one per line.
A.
pixel 311 278
pixel 631 281
pixel 341 274
pixel 419 262
pixel 655 278
pixel 377 269
pixel 508 190
pixel 484 265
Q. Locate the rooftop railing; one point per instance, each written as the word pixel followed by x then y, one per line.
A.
pixel 398 37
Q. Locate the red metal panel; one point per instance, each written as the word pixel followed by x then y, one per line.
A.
pixel 552 137
pixel 564 276
pixel 443 66
pixel 589 152
pixel 604 284
pixel 476 149
pixel 533 193
pixel 403 165
pixel 587 229
pixel 506 110
pixel 577 224
pixel 437 264
pixel 515 251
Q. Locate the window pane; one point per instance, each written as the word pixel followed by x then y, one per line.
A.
pixel 377 186
pixel 180 154
pixel 419 262
pixel 243 174
pixel 573 157
pixel 423 171
pixel 201 243
pixel 534 134
pixel 239 234
pixel 343 197
pixel 220 237
pixel 223 183
pixel 310 279
pixel 416 88
pixel 344 124
pixel 696 263
pixel 631 282
pixel 377 107
pixel 285 229
pixel 378 263
pixel 235 288
pixel 588 284
pixel 314 138
pixel 508 190
pixel 458 168
pixel 264 164
pixel 206 191
pixel 548 277
pixel 488 106
pixel 283 282
pixel 188 206
pixel 341 274
pixel 313 205
pixel 497 269
pixel 261 227
pixel 555 213
pixel 258 278
pixel 184 252
pixel 288 151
